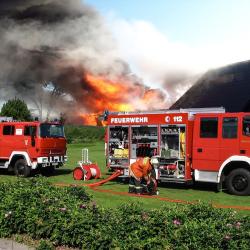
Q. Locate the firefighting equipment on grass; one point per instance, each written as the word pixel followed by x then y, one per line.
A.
pixel 86 169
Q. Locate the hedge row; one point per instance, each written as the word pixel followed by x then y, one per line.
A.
pixel 67 216
pixel 80 134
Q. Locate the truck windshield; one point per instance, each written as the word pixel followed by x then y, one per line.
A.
pixel 51 130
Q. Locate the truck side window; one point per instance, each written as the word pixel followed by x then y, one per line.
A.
pixel 209 127
pixel 30 130
pixel 246 126
pixel 230 127
pixel 8 130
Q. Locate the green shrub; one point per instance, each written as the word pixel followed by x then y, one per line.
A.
pixel 67 216
pixel 29 206
pixel 45 245
pixel 80 134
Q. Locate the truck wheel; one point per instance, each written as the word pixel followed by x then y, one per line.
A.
pixel 21 168
pixel 238 182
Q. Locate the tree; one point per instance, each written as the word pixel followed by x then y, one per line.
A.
pixel 17 109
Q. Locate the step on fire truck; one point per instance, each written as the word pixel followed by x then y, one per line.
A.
pixel 27 146
pixel 192 145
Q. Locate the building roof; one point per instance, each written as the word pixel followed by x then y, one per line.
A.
pixel 227 87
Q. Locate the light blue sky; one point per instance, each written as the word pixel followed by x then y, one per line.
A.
pixel 194 22
pixel 165 38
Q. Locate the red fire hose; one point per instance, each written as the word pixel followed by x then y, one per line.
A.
pixel 99 183
pixel 95 184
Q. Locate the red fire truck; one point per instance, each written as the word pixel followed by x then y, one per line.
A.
pixel 206 145
pixel 27 146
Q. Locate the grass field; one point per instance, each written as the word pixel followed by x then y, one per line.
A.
pixel 202 192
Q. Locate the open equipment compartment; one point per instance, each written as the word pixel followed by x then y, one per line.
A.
pixel 144 141
pixel 172 152
pixel 118 146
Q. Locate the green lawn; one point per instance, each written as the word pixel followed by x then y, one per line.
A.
pixel 201 192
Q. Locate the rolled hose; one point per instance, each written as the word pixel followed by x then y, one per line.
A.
pixel 87 172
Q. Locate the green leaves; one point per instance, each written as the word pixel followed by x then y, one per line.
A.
pixel 45 245
pixel 67 216
pixel 79 134
pixel 17 109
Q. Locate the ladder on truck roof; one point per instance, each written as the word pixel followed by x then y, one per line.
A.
pixel 190 111
pixel 6 119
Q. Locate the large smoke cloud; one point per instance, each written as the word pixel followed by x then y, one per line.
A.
pixel 46 49
pixel 175 64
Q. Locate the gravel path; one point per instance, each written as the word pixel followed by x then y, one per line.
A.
pixel 6 244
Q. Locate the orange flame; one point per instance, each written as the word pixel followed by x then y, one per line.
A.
pixel 112 94
pixel 105 86
pixel 119 95
pixel 90 119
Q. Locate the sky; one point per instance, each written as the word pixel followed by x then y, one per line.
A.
pixel 194 22
pixel 163 37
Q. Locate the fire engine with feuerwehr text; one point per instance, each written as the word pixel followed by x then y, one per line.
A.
pixel 192 145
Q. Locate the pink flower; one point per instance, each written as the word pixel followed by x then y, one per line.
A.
pixel 63 209
pixel 83 206
pixel 176 222
pixel 237 225
pixel 227 237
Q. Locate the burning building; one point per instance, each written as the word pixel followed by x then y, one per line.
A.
pixel 118 95
pixel 59 57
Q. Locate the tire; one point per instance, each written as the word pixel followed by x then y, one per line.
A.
pixel 21 168
pixel 238 182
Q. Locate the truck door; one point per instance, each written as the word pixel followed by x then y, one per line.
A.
pixel 229 144
pixel 206 154
pixel 30 135
pixel 245 136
